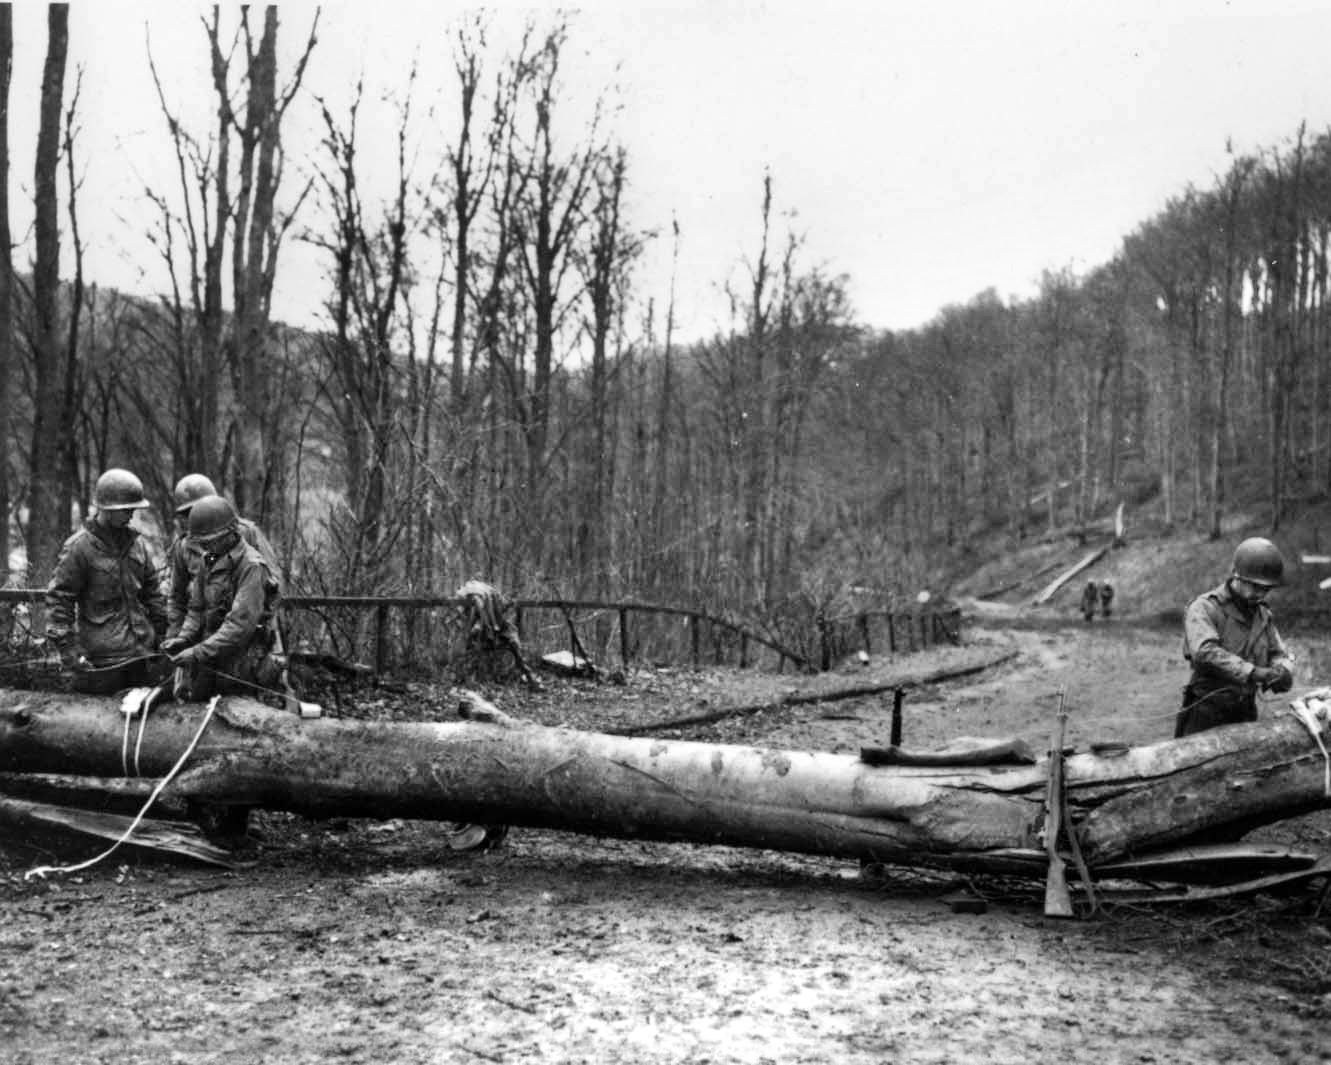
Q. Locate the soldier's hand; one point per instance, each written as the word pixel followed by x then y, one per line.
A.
pixel 1284 680
pixel 70 658
pixel 1264 676
pixel 186 656
pixel 173 644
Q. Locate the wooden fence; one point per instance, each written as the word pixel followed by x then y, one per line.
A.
pixel 427 632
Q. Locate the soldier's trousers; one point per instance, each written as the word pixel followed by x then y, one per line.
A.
pixel 1208 710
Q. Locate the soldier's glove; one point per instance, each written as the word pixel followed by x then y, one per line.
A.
pixel 1264 676
pixel 70 658
pixel 1284 680
pixel 173 644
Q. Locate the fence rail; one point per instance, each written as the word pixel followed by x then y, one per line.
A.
pixel 406 631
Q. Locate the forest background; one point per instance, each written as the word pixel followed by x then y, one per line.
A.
pixel 497 394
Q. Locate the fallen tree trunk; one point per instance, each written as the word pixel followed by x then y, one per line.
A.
pixel 985 818
pixel 1068 574
pixel 820 694
pixel 174 837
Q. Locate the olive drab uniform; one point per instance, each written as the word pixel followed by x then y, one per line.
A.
pixel 1225 639
pixel 1090 597
pixel 104 600
pixel 231 623
pixel 183 560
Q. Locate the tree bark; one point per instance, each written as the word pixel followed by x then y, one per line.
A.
pixel 981 818
pixel 6 280
pixel 47 526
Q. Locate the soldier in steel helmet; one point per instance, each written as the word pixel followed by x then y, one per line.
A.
pixel 227 642
pixel 1230 637
pixel 104 607
pixel 1090 595
pixel 183 559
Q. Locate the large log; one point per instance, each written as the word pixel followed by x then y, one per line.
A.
pixel 979 817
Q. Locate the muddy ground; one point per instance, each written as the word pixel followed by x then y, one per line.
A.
pixel 374 942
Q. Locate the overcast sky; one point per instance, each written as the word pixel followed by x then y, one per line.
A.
pixel 928 150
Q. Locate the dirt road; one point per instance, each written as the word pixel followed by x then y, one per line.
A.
pixel 367 942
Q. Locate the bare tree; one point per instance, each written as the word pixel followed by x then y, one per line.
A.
pixel 48 485
pixel 551 214
pixel 6 278
pixel 258 233
pixel 606 264
pixel 225 210
pixel 372 269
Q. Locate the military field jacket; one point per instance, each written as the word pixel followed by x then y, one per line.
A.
pixel 104 595
pixel 183 559
pixel 233 599
pixel 1224 640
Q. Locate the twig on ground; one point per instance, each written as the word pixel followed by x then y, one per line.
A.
pixel 509 1002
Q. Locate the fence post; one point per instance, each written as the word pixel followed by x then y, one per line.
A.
pixel 380 637
pixel 624 637
pixel 744 650
pixel 824 641
pixel 863 622
pixel 694 638
pixel 891 634
pixel 898 697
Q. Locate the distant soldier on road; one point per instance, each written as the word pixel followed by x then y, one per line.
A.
pixel 1090 598
pixel 1106 599
pixel 104 606
pixel 1230 637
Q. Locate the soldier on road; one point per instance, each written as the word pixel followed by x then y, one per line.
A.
pixel 1230 638
pixel 1090 598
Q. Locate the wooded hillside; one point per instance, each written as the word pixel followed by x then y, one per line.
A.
pixel 495 394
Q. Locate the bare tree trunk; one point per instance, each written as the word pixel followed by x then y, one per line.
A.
pixel 73 386
pixel 551 213
pixel 755 411
pixel 47 525
pixel 6 282
pixel 257 238
pixel 249 250
pixel 608 259
pixel 661 527
pixel 1231 295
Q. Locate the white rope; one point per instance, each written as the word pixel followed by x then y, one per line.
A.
pixel 44 870
pixel 130 704
pixel 149 701
pixel 1314 711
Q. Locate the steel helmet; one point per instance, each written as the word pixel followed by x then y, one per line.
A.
pixel 211 515
pixel 1259 561
pixel 190 489
pixel 119 490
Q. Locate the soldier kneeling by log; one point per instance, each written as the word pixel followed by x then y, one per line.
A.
pixel 228 642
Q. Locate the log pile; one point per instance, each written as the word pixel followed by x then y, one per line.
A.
pixel 1118 804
